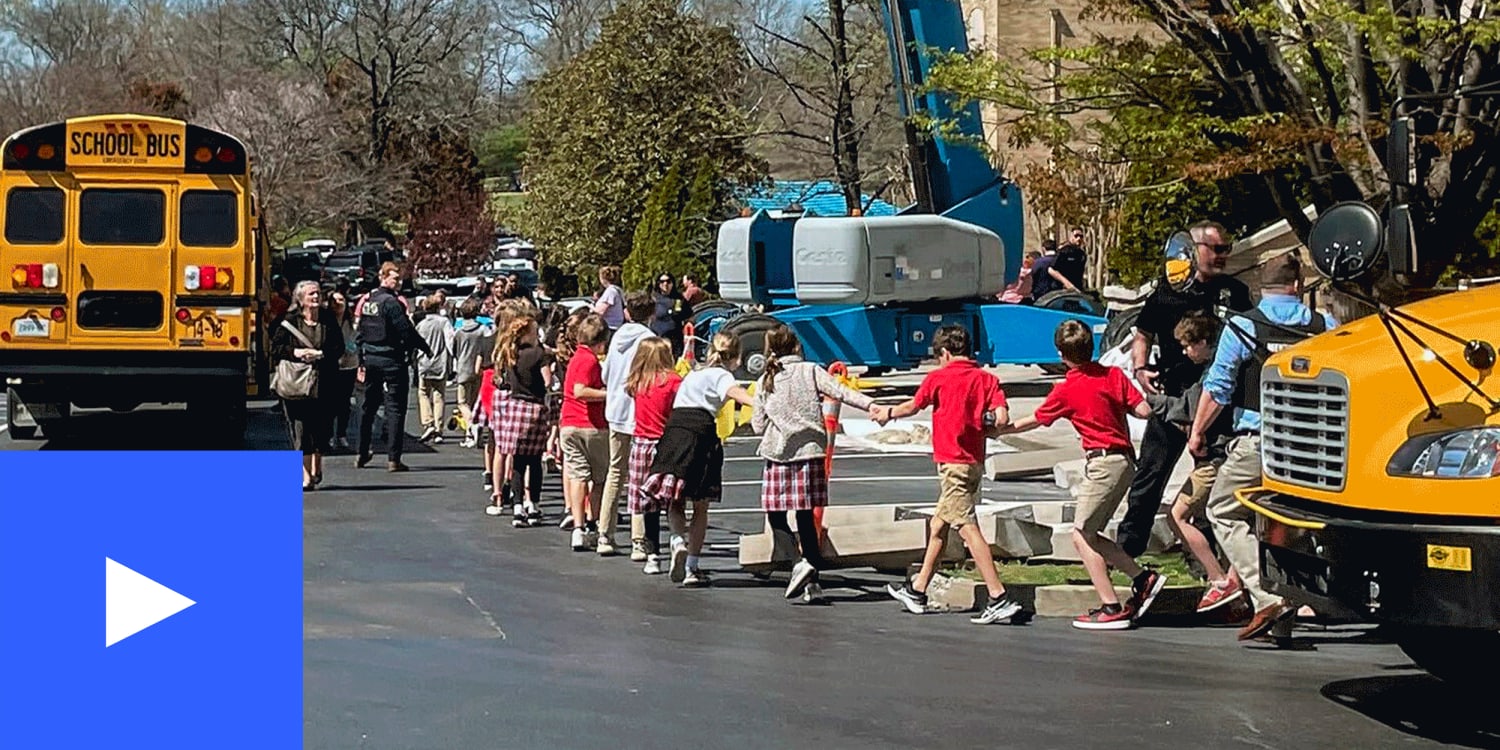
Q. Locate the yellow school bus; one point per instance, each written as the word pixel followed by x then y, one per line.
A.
pixel 137 272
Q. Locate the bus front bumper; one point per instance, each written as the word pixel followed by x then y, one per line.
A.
pixel 1439 571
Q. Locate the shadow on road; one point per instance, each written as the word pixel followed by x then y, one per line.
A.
pixel 1423 706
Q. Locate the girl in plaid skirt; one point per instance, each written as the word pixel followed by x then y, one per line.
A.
pixel 788 413
pixel 652 383
pixel 497 463
pixel 689 462
pixel 524 418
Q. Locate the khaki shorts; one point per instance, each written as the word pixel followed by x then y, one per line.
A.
pixel 1195 490
pixel 1106 479
pixel 585 453
pixel 958 491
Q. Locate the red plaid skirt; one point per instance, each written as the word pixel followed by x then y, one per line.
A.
pixel 642 453
pixel 663 489
pixel 497 405
pixel 523 428
pixel 802 485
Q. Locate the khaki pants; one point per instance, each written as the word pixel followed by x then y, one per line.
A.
pixel 614 486
pixel 1231 520
pixel 1106 479
pixel 468 392
pixel 430 403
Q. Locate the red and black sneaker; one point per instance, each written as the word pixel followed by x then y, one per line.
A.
pixel 1100 619
pixel 1144 589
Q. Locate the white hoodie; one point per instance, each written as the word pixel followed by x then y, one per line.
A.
pixel 619 407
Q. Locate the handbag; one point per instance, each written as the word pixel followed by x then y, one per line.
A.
pixel 295 380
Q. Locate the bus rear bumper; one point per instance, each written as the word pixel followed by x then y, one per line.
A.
pixel 119 379
pixel 1437 571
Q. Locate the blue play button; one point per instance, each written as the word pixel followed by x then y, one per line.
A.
pixel 199 600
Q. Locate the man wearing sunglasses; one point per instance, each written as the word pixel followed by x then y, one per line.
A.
pixel 1173 373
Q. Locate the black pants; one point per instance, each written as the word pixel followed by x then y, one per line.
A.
pixel 807 536
pixel 1161 447
pixel 519 466
pixel 342 390
pixel 392 378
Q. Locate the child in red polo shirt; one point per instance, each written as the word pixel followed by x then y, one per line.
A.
pixel 1096 399
pixel 963 395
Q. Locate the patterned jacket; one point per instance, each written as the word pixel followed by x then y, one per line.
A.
pixel 791 418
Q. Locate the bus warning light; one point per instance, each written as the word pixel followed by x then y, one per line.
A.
pixel 45 151
pixel 203 154
pixel 18 276
pixel 183 315
pixel 226 155
pixel 20 151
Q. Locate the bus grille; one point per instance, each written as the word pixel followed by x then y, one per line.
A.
pixel 1305 429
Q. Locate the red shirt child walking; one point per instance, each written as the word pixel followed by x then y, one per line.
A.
pixel 652 383
pixel 1096 399
pixel 963 396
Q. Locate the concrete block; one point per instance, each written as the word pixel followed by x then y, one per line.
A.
pixel 945 594
pixel 1162 540
pixel 1026 464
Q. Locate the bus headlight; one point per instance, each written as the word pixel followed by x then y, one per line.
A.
pixel 1462 454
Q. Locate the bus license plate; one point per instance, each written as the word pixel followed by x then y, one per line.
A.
pixel 35 327
pixel 1449 558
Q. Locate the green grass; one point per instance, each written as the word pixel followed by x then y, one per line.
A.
pixel 1052 574
pixel 507 202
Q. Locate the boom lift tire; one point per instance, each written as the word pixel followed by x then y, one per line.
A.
pixel 1463 658
pixel 1081 303
pixel 750 329
pixel 705 315
pixel 1120 329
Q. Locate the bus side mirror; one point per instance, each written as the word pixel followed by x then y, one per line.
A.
pixel 1401 153
pixel 1400 243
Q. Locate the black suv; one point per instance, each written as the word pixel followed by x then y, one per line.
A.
pixel 360 265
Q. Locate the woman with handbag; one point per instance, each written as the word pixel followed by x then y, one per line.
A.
pixel 306 347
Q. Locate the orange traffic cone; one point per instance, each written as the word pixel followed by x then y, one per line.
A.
pixel 831 408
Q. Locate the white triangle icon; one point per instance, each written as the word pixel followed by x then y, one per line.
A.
pixel 133 602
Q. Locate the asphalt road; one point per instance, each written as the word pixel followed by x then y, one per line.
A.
pixel 432 625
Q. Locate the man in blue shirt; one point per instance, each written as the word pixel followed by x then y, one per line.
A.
pixel 1233 380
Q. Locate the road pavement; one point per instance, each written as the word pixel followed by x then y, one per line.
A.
pixel 432 625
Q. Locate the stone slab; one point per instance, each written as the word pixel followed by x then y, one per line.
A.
pixel 1038 463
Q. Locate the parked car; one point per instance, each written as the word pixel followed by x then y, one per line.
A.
pixel 301 265
pixel 360 265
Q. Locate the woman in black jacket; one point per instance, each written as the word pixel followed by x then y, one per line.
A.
pixel 310 418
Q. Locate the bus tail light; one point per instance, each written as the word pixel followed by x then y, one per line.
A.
pixel 51 277
pixel 206 277
pixel 58 314
pixel 183 315
pixel 34 276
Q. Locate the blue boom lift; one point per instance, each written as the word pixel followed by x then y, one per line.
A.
pixel 871 291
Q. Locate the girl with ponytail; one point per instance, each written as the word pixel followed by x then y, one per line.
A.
pixel 652 384
pixel 689 462
pixel 788 413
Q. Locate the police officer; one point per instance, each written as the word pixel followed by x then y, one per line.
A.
pixel 387 339
pixel 1278 321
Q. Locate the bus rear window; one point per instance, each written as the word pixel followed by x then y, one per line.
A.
pixel 34 216
pixel 208 218
pixel 108 216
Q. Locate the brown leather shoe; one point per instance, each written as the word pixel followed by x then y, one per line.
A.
pixel 1265 619
pixel 396 466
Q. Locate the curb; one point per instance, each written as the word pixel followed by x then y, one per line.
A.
pixel 949 594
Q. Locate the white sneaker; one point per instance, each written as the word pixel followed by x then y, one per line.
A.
pixel 566 523
pixel 437 438
pixel 802 572
pixel 653 566
pixel 679 559
pixel 606 545
pixel 580 541
pixel 695 579
pixel 343 443
pixel 493 510
pixel 813 593
pixel 519 521
pixel 427 434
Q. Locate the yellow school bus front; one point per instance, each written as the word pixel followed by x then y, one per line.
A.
pixel 1375 504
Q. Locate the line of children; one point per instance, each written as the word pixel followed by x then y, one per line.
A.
pixel 788 414
pixel 689 462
